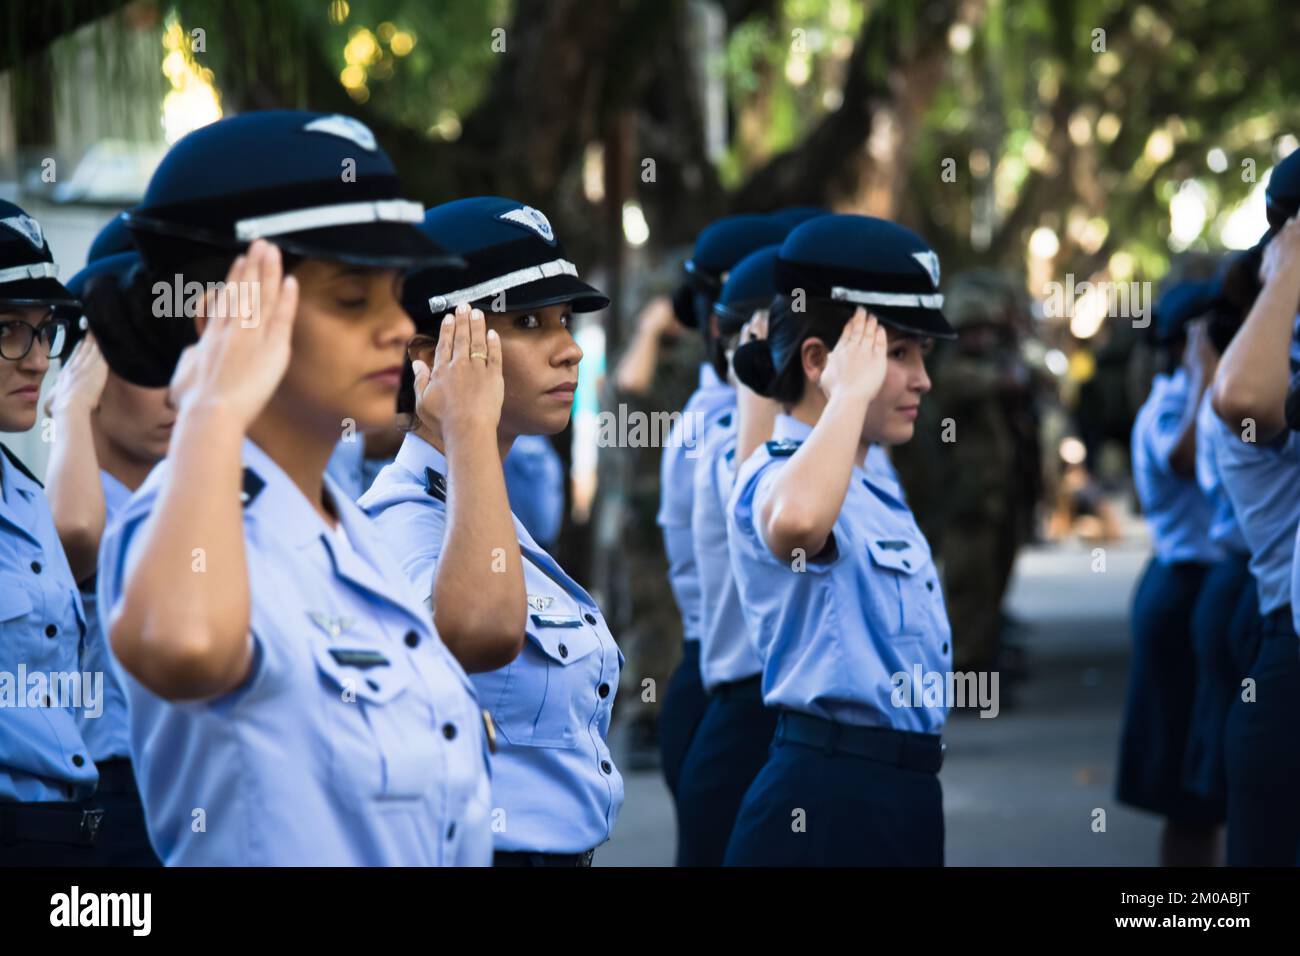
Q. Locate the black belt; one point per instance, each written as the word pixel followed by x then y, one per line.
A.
pixel 115 776
pixel 524 858
pixel 750 689
pixel 1278 623
pixel 72 824
pixel 898 748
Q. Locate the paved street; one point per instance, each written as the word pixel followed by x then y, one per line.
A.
pixel 1020 788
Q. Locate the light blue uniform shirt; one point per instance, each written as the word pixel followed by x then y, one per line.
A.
pixel 859 635
pixel 727 652
pixel 1175 508
pixel 535 485
pixel 42 625
pixel 107 735
pixel 1261 481
pixel 356 739
pixel 347 466
pixel 555 788
pixel 677 487
pixel 1224 529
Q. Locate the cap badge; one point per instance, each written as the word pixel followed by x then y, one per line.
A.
pixel 28 228
pixel 346 127
pixel 530 218
pixel 930 263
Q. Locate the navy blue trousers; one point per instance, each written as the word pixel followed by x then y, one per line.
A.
pixel 680 713
pixel 1161 687
pixel 810 808
pixel 1263 752
pixel 729 749
pixel 1222 610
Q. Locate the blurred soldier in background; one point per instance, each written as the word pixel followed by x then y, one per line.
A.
pixel 989 461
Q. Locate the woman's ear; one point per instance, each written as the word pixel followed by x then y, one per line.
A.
pixel 813 354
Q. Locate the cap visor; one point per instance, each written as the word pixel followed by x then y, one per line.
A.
pixel 927 322
pixel 395 245
pixel 553 290
pixel 43 291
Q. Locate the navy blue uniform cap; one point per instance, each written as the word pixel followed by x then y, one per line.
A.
pixel 315 184
pixel 512 257
pixel 860 260
pixel 28 274
pixel 749 286
pixel 1181 304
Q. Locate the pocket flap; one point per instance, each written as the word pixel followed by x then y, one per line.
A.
pixel 368 673
pixel 897 554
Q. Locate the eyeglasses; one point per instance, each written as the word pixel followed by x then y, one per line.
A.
pixel 17 336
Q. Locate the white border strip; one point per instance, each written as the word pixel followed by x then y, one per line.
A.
pixel 322 217
pixel 449 300
pixel 37 270
pixel 904 300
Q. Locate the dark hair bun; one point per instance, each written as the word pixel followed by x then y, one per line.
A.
pixel 138 347
pixel 753 365
pixel 683 299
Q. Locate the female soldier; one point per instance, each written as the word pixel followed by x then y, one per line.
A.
pixel 555 788
pixel 1162 675
pixel 1260 463
pixel 836 580
pixel 46 774
pixel 290 701
pixel 112 432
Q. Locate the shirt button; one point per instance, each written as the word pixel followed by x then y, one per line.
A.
pixel 907 563
pixel 606 766
pixel 564 651
pixel 451 832
pixel 929 585
pixel 78 760
pixel 449 731
pixel 603 690
pixel 945 647
pixel 36 567
pixel 373 685
pixel 412 639
pixel 50 630
pixel 589 618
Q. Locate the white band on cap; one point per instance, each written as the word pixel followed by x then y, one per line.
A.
pixel 37 270
pixel 511 280
pixel 322 217
pixel 903 300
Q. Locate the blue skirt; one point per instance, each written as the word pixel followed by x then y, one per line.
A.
pixel 728 751
pixel 1223 608
pixel 815 806
pixel 1161 687
pixel 680 713
pixel 1263 752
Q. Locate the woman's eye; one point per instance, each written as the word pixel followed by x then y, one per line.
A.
pixel 528 321
pixel 898 353
pixel 566 321
pixel 351 303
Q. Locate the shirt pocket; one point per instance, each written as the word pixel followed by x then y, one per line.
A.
pixel 549 685
pixel 899 586
pixel 18 633
pixel 377 728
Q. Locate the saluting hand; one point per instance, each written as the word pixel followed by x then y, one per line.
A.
pixel 244 350
pixel 464 389
pixel 856 366
pixel 81 381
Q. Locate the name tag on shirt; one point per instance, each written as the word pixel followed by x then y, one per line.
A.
pixel 358 657
pixel 556 620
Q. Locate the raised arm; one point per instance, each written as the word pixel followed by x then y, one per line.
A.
pixel 72 479
pixel 1254 373
pixel 636 369
pixel 479 599
pixel 181 633
pixel 808 494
